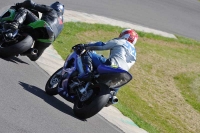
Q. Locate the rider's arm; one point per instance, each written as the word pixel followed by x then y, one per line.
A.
pixel 42 8
pixel 101 45
pixel 29 4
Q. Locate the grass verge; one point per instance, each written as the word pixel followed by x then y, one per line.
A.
pixel 164 93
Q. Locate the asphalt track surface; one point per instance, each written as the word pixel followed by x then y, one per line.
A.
pixel 26 108
pixel 23 103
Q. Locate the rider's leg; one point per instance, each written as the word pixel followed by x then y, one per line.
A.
pixel 19 18
pixel 91 61
pixel 97 59
pixel 22 16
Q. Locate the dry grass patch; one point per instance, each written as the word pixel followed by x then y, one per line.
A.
pixel 154 83
pixel 89 36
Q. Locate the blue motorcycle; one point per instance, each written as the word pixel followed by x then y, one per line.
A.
pixel 88 95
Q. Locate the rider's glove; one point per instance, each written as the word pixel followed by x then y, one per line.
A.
pixel 79 46
pixel 18 5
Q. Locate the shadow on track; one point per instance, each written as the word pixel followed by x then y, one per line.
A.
pixel 14 60
pixel 53 101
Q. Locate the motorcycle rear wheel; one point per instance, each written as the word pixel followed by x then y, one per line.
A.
pixel 16 48
pixel 51 87
pixel 94 104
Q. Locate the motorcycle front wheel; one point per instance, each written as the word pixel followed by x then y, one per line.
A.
pixel 94 104
pixel 51 87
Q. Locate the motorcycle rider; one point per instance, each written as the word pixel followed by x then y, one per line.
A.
pixel 45 30
pixel 122 53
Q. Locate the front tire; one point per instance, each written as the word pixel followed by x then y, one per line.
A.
pixel 94 104
pixel 51 87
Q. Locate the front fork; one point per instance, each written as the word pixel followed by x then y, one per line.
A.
pixel 80 66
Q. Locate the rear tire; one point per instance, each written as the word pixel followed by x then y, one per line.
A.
pixel 94 104
pixel 51 87
pixel 17 48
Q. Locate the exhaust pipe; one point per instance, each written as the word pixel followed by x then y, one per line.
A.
pixel 34 52
pixel 114 100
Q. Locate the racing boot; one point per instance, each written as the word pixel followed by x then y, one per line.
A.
pixel 11 30
pixel 18 20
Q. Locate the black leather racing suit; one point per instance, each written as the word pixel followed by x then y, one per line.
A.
pixel 50 16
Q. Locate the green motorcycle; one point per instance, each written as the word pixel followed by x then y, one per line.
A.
pixel 14 42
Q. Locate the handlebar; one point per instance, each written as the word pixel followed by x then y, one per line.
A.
pixel 79 50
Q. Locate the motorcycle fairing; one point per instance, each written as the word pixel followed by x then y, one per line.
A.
pixel 8 15
pixel 68 69
pixel 63 87
pixel 113 77
pixel 43 26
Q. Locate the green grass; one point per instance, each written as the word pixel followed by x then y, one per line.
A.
pixel 127 95
pixel 189 84
pixel 164 95
pixel 75 33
